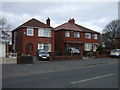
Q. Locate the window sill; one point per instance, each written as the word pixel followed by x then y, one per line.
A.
pixel 43 37
pixel 30 35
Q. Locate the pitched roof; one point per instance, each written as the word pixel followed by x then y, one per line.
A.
pixel 70 25
pixel 34 23
pixel 84 29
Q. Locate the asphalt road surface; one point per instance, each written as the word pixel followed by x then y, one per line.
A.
pixel 93 76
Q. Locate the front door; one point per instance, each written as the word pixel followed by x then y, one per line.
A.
pixel 29 49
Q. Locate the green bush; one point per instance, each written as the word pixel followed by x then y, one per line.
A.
pixel 101 52
pixel 85 53
pixel 107 52
pixel 88 53
pixel 57 53
pixel 66 52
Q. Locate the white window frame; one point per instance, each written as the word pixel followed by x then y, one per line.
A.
pixel 30 29
pixel 44 32
pixel 67 33
pixel 95 36
pixel 88 46
pixel 88 35
pixel 77 34
pixel 43 45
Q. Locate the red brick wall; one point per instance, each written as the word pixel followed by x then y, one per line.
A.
pixel 117 42
pixel 17 35
pixel 60 38
pixel 75 57
pixel 23 40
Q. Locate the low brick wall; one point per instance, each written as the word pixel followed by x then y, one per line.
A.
pixel 97 55
pixel 73 57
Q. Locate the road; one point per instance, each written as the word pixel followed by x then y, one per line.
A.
pixel 93 76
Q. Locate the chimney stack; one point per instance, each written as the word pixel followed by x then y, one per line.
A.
pixel 72 21
pixel 48 21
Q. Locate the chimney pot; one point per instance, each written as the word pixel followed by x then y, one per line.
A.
pixel 48 21
pixel 71 21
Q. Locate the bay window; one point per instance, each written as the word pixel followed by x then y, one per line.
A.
pixel 88 46
pixel 44 46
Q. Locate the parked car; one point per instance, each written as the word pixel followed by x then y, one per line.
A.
pixel 73 50
pixel 115 53
pixel 43 55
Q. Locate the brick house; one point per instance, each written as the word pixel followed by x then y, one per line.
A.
pixel 71 34
pixel 33 35
pixel 117 41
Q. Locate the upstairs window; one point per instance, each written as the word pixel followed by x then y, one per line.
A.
pixel 88 35
pixel 30 31
pixel 44 32
pixel 95 36
pixel 67 33
pixel 77 34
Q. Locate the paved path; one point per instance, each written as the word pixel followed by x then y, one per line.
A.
pixel 14 70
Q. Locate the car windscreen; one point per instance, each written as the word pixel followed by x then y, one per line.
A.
pixel 114 50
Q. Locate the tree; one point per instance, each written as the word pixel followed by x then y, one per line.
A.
pixel 5 33
pixel 109 33
pixel 4 24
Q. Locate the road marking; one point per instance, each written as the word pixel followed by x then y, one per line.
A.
pixel 92 78
pixel 99 64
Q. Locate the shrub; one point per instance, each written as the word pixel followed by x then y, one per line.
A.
pixel 88 53
pixel 85 53
pixel 66 52
pixel 107 52
pixel 57 53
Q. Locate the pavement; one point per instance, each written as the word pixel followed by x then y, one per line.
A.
pixel 15 70
pixel 88 73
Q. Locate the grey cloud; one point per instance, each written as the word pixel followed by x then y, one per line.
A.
pixel 93 14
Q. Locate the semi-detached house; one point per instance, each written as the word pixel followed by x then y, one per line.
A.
pixel 33 35
pixel 71 34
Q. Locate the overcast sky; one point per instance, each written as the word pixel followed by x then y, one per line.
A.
pixel 93 15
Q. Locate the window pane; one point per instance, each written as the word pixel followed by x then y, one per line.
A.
pixel 30 31
pixel 95 36
pixel 67 34
pixel 88 46
pixel 44 32
pixel 45 46
pixel 88 35
pixel 40 32
pixel 40 46
pixel 77 34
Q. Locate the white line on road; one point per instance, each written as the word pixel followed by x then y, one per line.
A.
pixel 92 78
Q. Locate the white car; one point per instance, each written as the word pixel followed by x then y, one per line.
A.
pixel 115 53
pixel 73 50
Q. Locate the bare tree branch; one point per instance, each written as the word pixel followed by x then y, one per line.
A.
pixel 109 34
